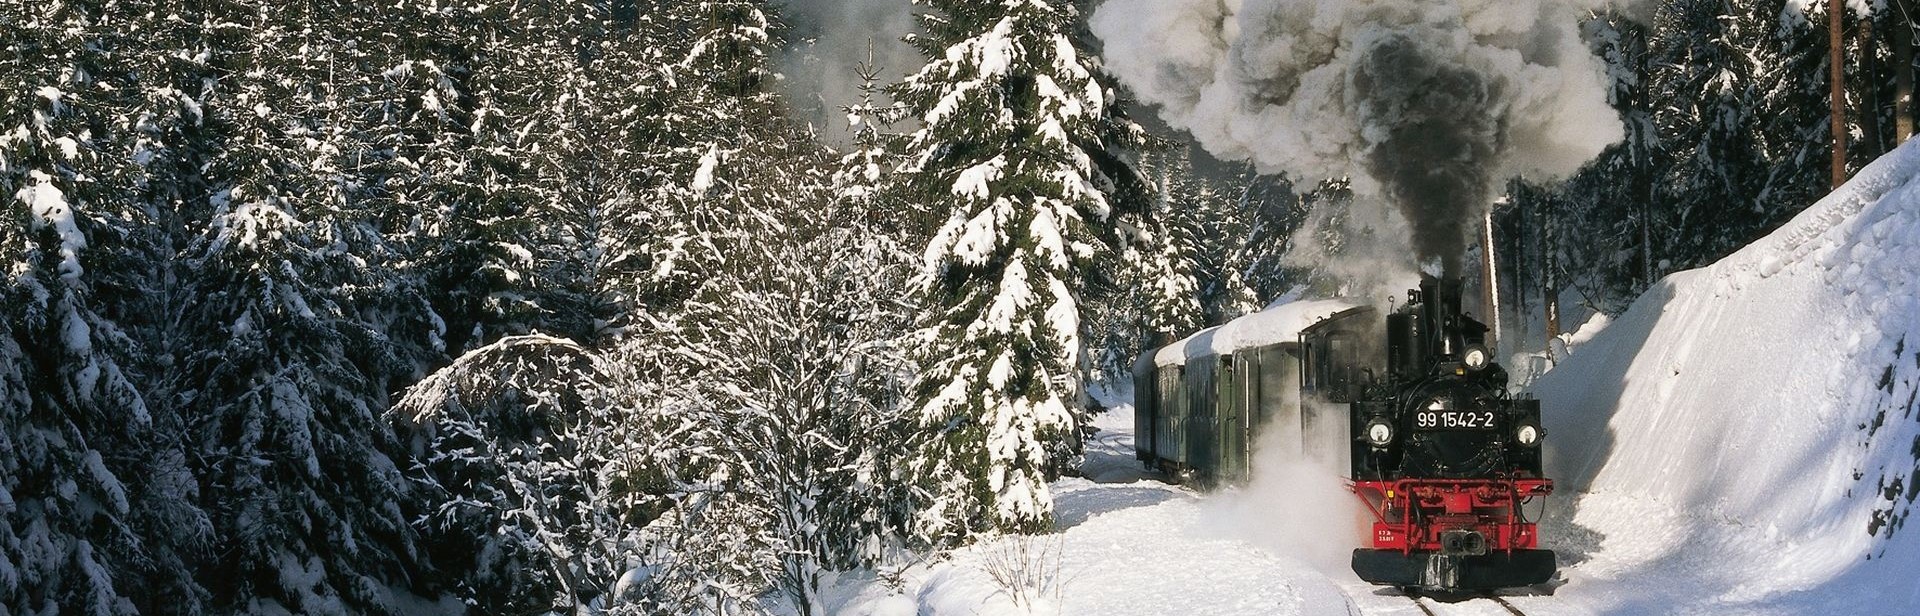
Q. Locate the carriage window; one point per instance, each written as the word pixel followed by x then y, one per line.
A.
pixel 1307 368
pixel 1339 365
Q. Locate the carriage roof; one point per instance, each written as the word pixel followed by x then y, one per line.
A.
pixel 1278 324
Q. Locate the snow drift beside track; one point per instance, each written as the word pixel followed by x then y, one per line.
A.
pixel 1744 437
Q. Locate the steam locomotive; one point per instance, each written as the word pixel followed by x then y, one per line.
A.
pixel 1443 458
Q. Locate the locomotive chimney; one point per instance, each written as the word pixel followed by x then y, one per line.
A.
pixel 1440 314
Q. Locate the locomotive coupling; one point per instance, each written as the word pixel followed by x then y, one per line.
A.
pixel 1462 543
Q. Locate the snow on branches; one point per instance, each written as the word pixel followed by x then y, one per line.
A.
pixel 1022 139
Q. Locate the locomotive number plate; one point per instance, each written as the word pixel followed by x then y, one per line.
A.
pixel 1453 420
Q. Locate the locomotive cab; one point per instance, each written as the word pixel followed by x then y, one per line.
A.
pixel 1441 455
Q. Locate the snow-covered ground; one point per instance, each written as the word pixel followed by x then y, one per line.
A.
pixel 1128 544
pixel 1742 440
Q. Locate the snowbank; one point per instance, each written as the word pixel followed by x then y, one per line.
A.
pixel 1126 545
pixel 1735 435
pixel 1277 323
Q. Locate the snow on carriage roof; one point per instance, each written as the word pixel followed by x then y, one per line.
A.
pixel 1278 323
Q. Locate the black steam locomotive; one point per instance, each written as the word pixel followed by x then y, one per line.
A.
pixel 1443 458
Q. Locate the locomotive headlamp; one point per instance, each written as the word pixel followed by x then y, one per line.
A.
pixel 1475 357
pixel 1379 433
pixel 1528 434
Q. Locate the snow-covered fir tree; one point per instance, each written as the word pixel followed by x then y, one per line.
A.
pixel 1148 291
pixel 519 445
pixel 96 511
pixel 282 352
pixel 1021 138
pixel 476 128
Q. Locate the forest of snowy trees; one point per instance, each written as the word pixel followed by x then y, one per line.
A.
pixel 344 308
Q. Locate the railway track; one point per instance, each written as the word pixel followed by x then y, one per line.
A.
pixel 1421 601
pixel 1510 608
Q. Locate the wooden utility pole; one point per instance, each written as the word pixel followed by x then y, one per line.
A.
pixel 1490 282
pixel 1902 20
pixel 1836 43
pixel 1550 280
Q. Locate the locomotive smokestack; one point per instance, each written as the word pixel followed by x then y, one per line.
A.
pixel 1441 314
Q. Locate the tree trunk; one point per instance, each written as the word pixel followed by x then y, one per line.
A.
pixel 1902 20
pixel 1642 170
pixel 1869 79
pixel 1836 77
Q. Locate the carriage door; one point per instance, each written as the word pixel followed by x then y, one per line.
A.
pixel 1323 416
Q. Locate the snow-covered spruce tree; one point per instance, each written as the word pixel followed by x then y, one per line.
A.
pixel 692 135
pixel 1611 198
pixel 1739 99
pixel 475 139
pixel 1275 211
pixel 622 76
pixel 1223 237
pixel 1022 142
pixel 800 386
pixel 1726 113
pixel 520 443
pixel 1791 133
pixel 282 359
pixel 1709 81
pixel 1173 299
pixel 1148 291
pixel 95 503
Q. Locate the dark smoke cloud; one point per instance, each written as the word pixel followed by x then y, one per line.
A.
pixel 1423 104
pixel 1434 144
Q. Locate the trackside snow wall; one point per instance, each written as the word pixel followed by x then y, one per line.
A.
pixel 1730 441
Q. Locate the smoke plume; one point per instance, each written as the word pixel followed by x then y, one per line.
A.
pixel 1424 104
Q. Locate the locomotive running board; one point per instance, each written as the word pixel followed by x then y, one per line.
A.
pixel 1499 569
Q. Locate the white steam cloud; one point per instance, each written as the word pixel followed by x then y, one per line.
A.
pixel 1426 104
pixel 828 39
pixel 1297 504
